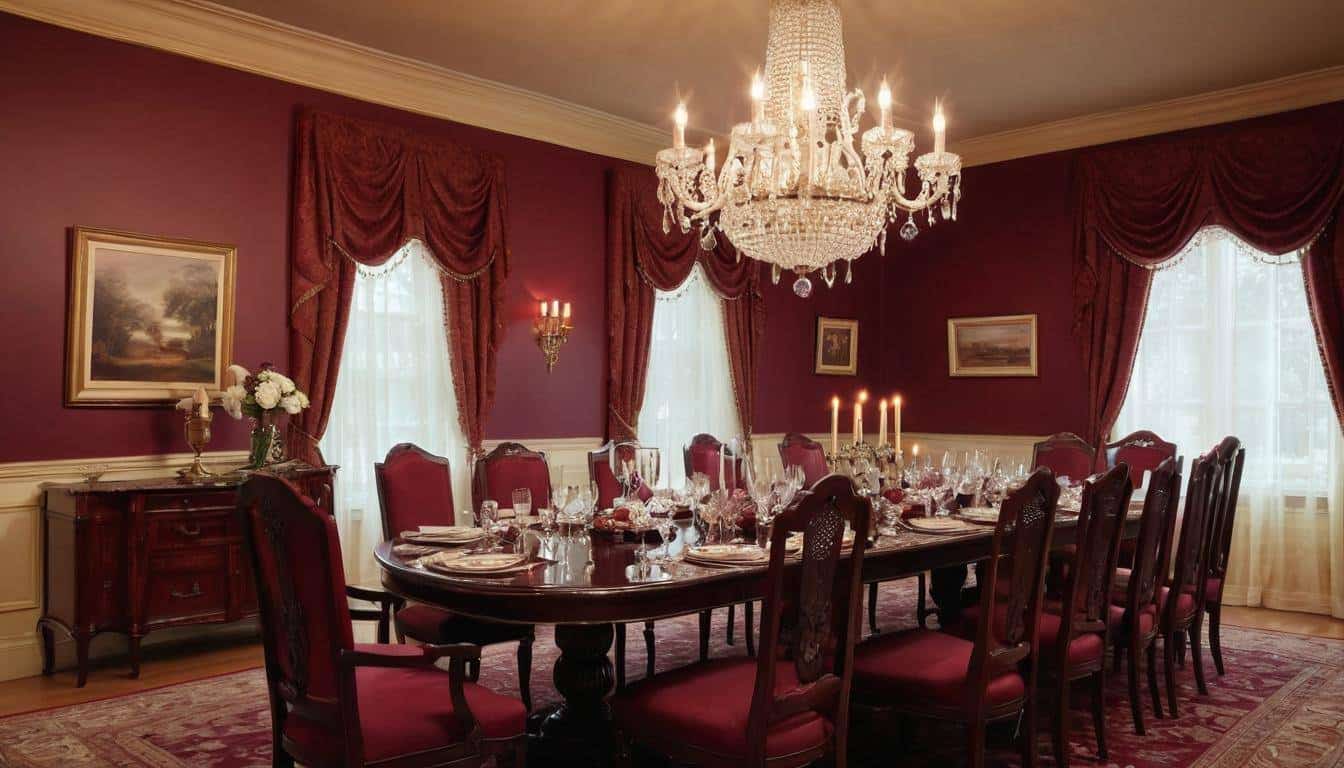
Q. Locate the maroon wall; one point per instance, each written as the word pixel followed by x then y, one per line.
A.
pixel 1009 253
pixel 100 133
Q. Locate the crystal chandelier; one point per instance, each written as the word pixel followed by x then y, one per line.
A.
pixel 794 192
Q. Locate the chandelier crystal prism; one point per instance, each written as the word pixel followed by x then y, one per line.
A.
pixel 793 191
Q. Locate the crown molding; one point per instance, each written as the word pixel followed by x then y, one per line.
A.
pixel 244 41
pixel 1307 89
pixel 228 37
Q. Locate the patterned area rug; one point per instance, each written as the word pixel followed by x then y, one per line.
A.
pixel 1281 704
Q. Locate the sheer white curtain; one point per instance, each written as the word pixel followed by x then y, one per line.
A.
pixel 688 388
pixel 1228 349
pixel 395 386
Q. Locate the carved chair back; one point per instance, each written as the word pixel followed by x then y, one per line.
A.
pixel 702 455
pixel 811 611
pixel 797 449
pixel 1156 524
pixel 1013 589
pixel 599 472
pixel 1192 547
pixel 1231 455
pixel 510 466
pixel 1142 451
pixel 1101 525
pixel 415 488
pixel 1065 454
pixel 305 620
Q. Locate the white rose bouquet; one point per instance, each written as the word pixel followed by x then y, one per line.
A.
pixel 261 394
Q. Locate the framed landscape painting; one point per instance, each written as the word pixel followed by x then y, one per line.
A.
pixel 992 346
pixel 150 319
pixel 837 346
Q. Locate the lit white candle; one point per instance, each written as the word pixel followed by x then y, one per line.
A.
pixel 835 424
pixel 555 307
pixel 545 309
pixel 709 157
pixel 679 127
pixel 565 312
pixel 939 130
pixel 858 415
pixel 881 422
pixel 757 99
pixel 721 452
pixel 884 102
pixel 896 421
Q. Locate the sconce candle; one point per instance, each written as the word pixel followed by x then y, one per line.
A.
pixel 552 328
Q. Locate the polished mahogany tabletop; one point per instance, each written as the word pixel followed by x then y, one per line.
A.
pixel 591 578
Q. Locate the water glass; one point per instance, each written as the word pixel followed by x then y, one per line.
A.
pixel 522 502
pixel 487 520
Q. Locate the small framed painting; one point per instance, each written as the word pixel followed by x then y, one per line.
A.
pixel 150 319
pixel 837 346
pixel 992 346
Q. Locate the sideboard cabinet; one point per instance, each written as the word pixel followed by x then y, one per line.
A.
pixel 140 555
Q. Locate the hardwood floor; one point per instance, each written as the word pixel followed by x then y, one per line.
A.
pixel 169 664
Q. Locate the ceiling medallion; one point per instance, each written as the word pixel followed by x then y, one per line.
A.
pixel 793 191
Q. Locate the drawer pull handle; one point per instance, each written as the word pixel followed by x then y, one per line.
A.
pixel 195 530
pixel 195 592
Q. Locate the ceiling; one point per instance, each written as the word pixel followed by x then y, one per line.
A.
pixel 997 64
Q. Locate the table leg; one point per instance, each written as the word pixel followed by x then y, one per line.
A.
pixel 945 590
pixel 580 728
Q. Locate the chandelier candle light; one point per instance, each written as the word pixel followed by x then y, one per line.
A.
pixel 552 327
pixel 883 451
pixel 794 191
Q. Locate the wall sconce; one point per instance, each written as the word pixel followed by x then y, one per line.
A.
pixel 552 327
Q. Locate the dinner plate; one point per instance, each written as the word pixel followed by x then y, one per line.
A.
pixel 728 554
pixel 443 534
pixel 980 514
pixel 940 525
pixel 491 562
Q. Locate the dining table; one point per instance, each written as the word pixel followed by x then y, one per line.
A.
pixel 585 582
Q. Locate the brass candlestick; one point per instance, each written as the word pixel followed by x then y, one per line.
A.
pixel 197 429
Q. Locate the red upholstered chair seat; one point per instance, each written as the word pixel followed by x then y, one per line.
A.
pixel 1185 604
pixel 1147 617
pixel 405 710
pixel 429 624
pixel 1084 648
pixel 927 666
pixel 1212 586
pixel 708 704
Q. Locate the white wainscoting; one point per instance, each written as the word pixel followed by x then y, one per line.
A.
pixel 21 528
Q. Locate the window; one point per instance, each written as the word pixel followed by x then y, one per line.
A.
pixel 688 388
pixel 395 386
pixel 1228 349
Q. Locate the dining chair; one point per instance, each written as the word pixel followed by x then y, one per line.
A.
pixel 508 467
pixel 1073 636
pixel 1134 610
pixel 789 706
pixel 927 674
pixel 608 489
pixel 335 702
pixel 701 454
pixel 1065 454
pixel 415 488
pixel 799 450
pixel 385 603
pixel 1179 602
pixel 1142 451
pixel 1231 455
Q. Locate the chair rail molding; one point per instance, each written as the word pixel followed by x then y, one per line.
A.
pixel 203 30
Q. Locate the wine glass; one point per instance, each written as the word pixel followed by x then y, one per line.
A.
pixel 522 502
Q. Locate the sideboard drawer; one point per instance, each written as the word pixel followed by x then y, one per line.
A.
pixel 182 594
pixel 186 501
pixel 188 530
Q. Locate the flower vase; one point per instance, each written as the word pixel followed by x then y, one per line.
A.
pixel 267 446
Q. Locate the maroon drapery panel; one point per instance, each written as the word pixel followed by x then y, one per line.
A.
pixel 361 191
pixel 1275 182
pixel 642 259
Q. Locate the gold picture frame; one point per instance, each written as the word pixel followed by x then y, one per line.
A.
pixel 837 346
pixel 1003 345
pixel 149 319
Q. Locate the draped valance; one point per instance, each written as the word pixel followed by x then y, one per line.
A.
pixel 1276 182
pixel 642 259
pixel 362 190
